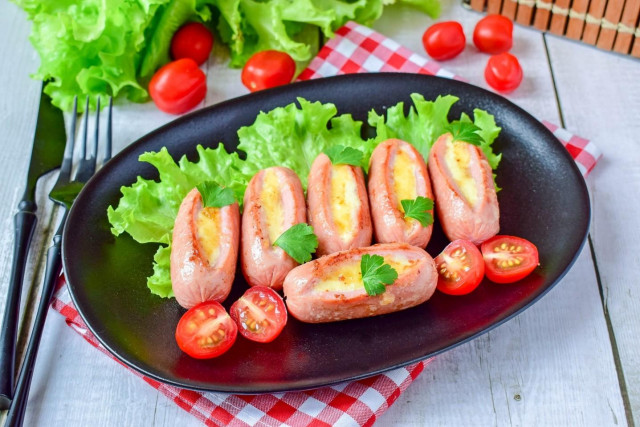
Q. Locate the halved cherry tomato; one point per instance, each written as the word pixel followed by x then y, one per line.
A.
pixel 260 314
pixel 178 86
pixel 493 34
pixel 266 69
pixel 206 331
pixel 503 72
pixel 460 268
pixel 508 258
pixel 193 40
pixel 444 40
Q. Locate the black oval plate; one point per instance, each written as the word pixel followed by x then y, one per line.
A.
pixel 543 199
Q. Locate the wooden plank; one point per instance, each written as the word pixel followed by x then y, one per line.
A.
pixel 494 6
pixel 509 8
pixel 607 114
pixel 577 19
pixel 524 16
pixel 559 19
pixel 542 15
pixel 629 20
pixel 609 29
pixel 593 21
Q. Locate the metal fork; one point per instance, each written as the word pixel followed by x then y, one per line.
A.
pixel 63 193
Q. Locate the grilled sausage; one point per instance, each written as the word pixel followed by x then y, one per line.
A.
pixel 204 251
pixel 466 200
pixel 273 203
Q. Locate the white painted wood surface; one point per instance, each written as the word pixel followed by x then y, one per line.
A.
pixel 571 359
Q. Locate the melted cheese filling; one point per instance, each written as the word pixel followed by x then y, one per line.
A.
pixel 348 277
pixel 457 158
pixel 208 232
pixel 344 200
pixel 404 178
pixel 272 204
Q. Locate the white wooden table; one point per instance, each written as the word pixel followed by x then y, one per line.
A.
pixel 571 359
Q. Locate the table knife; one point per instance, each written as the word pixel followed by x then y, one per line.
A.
pixel 48 147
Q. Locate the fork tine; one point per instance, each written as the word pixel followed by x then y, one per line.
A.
pixel 87 166
pixel 94 155
pixel 107 148
pixel 86 126
pixel 65 168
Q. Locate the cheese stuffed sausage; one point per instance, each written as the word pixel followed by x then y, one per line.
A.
pixel 397 172
pixel 204 251
pixel 466 199
pixel 330 288
pixel 338 206
pixel 273 203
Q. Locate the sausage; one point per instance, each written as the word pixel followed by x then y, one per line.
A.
pixel 397 172
pixel 273 203
pixel 330 288
pixel 204 251
pixel 466 200
pixel 338 206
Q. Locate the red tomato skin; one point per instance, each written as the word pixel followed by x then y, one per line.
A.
pixel 468 282
pixel 187 345
pixel 503 72
pixel 278 317
pixel 193 40
pixel 444 40
pixel 493 34
pixel 178 86
pixel 530 258
pixel 267 69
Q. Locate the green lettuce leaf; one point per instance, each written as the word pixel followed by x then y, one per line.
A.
pixel 148 208
pixel 293 136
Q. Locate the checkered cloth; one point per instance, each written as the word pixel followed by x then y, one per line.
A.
pixel 354 49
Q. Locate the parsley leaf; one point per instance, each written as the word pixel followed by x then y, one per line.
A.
pixel 341 155
pixel 466 132
pixel 417 209
pixel 214 195
pixel 376 274
pixel 299 242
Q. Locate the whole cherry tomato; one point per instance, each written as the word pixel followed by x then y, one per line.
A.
pixel 192 40
pixel 266 69
pixel 503 72
pixel 444 40
pixel 460 268
pixel 178 86
pixel 493 34
pixel 508 258
pixel 206 331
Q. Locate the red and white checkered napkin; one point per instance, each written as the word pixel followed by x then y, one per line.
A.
pixel 354 49
pixel 359 49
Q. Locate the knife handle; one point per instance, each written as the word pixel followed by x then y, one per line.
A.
pixel 15 417
pixel 24 225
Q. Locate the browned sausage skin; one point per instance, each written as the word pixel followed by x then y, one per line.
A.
pixel 338 206
pixel 466 199
pixel 204 251
pixel 273 203
pixel 397 172
pixel 330 288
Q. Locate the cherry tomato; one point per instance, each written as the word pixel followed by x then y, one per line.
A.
pixel 444 40
pixel 460 268
pixel 178 86
pixel 508 259
pixel 503 72
pixel 206 331
pixel 193 40
pixel 266 69
pixel 260 314
pixel 493 34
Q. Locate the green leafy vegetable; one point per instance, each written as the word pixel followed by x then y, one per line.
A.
pixel 112 47
pixel 147 209
pixel 418 209
pixel 376 274
pixel 292 137
pixel 341 155
pixel 465 132
pixel 214 195
pixel 299 242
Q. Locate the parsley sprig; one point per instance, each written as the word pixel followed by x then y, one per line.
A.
pixel 465 132
pixel 418 209
pixel 376 274
pixel 214 195
pixel 341 155
pixel 299 242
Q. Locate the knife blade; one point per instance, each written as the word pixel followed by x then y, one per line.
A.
pixel 48 148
